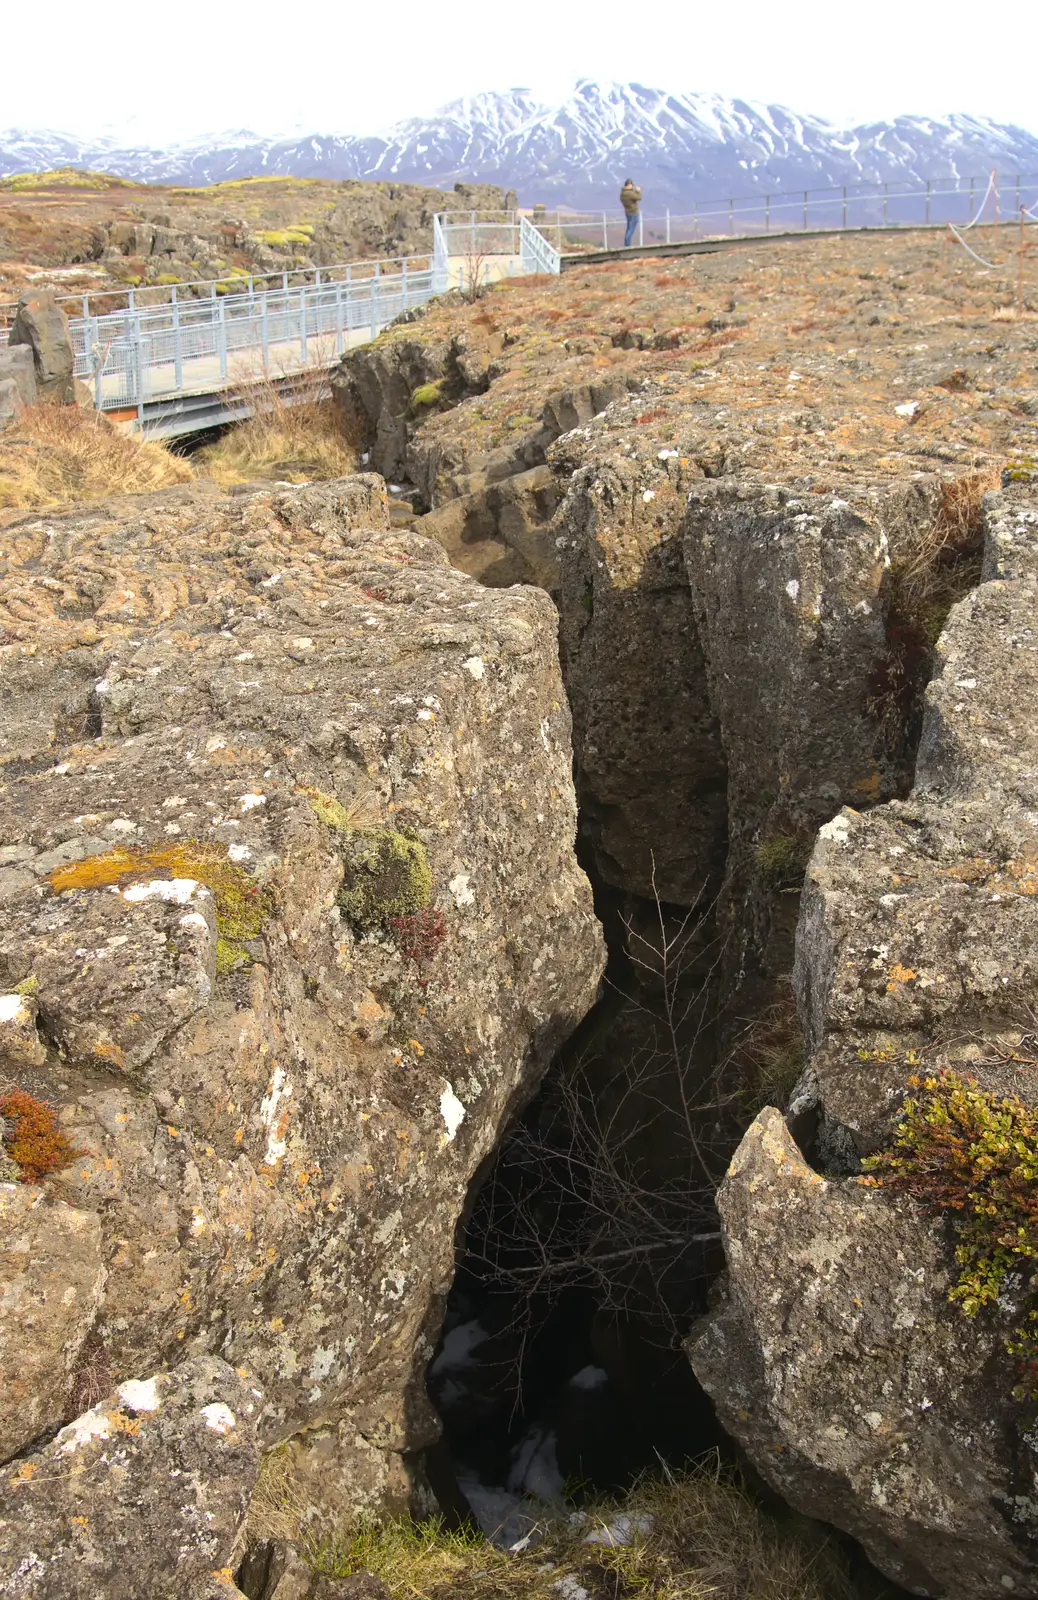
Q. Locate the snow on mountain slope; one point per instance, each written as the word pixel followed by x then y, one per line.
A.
pixel 680 147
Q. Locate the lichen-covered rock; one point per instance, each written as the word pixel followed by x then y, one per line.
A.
pixel 919 921
pixel 52 1277
pixel 41 324
pixel 834 1355
pixel 141 1495
pixel 650 766
pixel 863 1397
pixel 288 822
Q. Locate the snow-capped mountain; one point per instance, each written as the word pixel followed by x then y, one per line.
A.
pixel 680 147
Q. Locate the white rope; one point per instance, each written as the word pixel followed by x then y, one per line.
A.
pixel 966 247
pixel 980 210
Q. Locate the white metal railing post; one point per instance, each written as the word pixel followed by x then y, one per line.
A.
pixel 338 319
pixel 264 334
pixel 98 362
pixel 605 232
pixel 405 302
pixel 302 325
pixel 767 213
pixel 668 224
pixel 178 353
pixel 221 337
pixel 374 302
pixel 845 205
pixel 139 373
pixel 641 229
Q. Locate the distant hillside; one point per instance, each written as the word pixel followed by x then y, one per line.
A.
pixel 682 148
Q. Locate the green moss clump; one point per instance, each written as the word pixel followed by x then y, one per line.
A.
pixel 278 238
pixel 327 809
pixel 973 1154
pixel 387 875
pixel 427 395
pixel 1024 469
pixel 780 860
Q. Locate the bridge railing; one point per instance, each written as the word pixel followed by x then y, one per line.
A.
pixel 147 352
pixel 130 357
pixel 961 201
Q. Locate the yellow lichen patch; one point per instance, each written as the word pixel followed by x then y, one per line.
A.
pixel 899 974
pixel 241 904
pixel 326 808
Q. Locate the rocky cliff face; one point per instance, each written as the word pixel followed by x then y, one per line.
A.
pixel 761 528
pixel 834 1355
pixel 292 923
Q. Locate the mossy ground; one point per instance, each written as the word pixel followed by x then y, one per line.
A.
pixel 693 1536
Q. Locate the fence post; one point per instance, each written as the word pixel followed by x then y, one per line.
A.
pixel 731 216
pixel 972 202
pixel 927 202
pixel 605 232
pixel 98 364
pixel 284 280
pixel 884 205
pixel 178 354
pixel 86 297
pixel 695 219
pixel 139 371
pixel 668 224
pixel 374 302
pixel 338 319
pixel 302 324
pixel 264 340
pixel 845 205
pixel 221 335
pixel 767 213
pixel 641 229
pixel 805 210
pixel 130 298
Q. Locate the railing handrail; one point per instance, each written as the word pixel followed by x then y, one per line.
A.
pixel 148 352
pixel 319 275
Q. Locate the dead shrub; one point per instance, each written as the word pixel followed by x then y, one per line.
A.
pixel 294 434
pixel 56 455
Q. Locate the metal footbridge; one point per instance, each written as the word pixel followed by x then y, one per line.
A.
pixel 183 357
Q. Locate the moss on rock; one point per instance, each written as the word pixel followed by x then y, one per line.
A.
pixel 387 875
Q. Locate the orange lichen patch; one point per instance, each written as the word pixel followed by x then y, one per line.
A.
pixel 241 904
pixel 899 974
pixel 33 1139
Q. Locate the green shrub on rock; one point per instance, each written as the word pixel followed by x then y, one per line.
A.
pixel 973 1153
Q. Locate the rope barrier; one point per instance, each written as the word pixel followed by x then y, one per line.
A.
pixel 966 247
pixel 972 223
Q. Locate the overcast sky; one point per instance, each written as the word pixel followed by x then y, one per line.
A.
pixel 169 72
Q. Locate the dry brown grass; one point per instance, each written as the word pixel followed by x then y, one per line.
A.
pixel 694 1536
pixel 58 455
pixel 294 442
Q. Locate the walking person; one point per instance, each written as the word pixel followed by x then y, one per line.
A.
pixel 630 199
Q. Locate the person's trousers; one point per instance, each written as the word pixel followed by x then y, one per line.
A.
pixel 632 228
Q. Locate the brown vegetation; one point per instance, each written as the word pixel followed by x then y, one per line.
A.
pixel 57 455
pixel 690 1537
pixel 294 435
